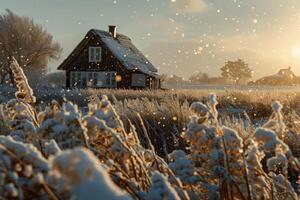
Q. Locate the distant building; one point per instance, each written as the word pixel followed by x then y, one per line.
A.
pixel 283 77
pixel 108 60
pixel 286 73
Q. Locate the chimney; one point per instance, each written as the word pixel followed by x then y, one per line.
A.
pixel 112 30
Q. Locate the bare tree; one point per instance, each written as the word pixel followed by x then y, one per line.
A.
pixel 29 43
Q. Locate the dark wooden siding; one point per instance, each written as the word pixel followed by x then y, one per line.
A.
pixel 68 79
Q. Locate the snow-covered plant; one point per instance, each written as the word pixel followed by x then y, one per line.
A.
pixel 51 148
pixel 270 143
pixel 80 174
pixel 217 152
pixel 257 178
pixel 205 143
pixel 273 136
pixel 110 140
pixel 21 120
pixel 234 162
pixel 182 167
pixel 50 111
pixel 22 171
pixel 105 111
pixel 212 104
pixel 268 140
pixel 282 187
pixel 233 145
pixel 71 174
pixel 231 163
pixel 199 109
pixel 161 188
pixel 275 122
pixel 111 145
pixel 278 164
pixel 24 92
pixel 20 113
pixel 201 135
pixel 65 126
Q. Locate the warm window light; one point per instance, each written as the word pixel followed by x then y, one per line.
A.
pixel 118 78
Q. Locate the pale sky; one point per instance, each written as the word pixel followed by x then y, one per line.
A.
pixel 181 37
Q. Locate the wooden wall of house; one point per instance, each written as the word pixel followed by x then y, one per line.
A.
pixel 108 63
pixel 68 85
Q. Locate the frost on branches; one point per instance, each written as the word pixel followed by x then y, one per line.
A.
pixel 59 152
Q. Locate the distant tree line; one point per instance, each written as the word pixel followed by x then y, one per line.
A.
pixel 233 72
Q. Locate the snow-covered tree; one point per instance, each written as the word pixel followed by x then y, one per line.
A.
pixel 28 42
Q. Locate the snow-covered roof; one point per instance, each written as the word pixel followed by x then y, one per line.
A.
pixel 126 52
pixel 284 73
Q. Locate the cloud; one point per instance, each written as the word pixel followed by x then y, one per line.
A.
pixel 193 6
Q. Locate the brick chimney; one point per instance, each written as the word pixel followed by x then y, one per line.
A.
pixel 112 30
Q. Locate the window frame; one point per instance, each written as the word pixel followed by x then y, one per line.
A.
pixel 73 77
pixel 85 79
pixel 138 77
pixel 109 81
pixel 95 54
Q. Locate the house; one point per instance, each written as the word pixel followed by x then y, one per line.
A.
pixel 107 59
pixel 283 77
pixel 286 73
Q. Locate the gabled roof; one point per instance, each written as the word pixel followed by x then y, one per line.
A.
pixel 286 73
pixel 125 51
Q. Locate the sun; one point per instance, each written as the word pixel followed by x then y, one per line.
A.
pixel 296 52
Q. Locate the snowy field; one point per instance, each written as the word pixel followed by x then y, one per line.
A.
pixel 168 144
pixel 232 87
pixel 143 148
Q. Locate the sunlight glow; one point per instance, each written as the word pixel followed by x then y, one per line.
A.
pixel 296 52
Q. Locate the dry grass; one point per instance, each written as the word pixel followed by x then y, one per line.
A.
pixel 166 112
pixel 56 151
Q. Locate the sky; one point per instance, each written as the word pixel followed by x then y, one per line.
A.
pixel 181 37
